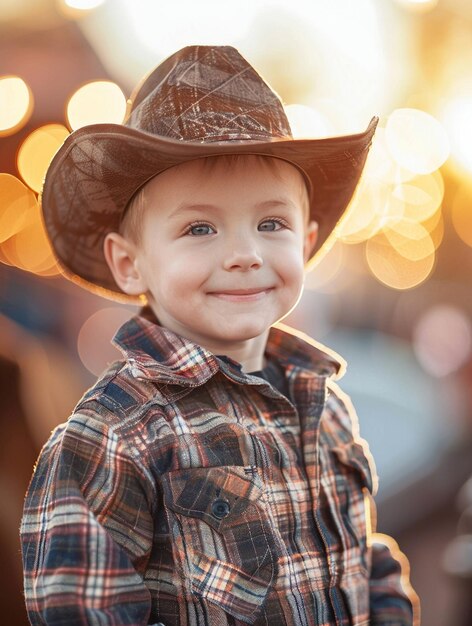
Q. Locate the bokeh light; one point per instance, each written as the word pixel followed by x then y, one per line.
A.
pixel 462 212
pixel 410 239
pixel 380 163
pixel 419 6
pixel 17 203
pixel 83 5
pixel 442 340
pixel 93 341
pixel 307 122
pixel 37 151
pixel 32 249
pixel 402 209
pixel 435 227
pixel 394 269
pixel 23 240
pixel 457 557
pixel 97 102
pixel 209 25
pixel 421 196
pixel 416 140
pixel 457 119
pixel 16 104
pixel 371 208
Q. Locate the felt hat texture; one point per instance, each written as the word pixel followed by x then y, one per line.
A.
pixel 201 101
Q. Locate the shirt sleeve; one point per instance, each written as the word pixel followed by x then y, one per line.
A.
pixel 86 531
pixel 393 602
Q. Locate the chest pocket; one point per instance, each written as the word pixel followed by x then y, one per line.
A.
pixel 223 540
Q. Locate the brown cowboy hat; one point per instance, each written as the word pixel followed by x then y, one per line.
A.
pixel 201 101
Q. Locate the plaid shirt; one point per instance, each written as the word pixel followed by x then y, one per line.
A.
pixel 185 492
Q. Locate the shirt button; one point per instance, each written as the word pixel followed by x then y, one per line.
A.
pixel 220 508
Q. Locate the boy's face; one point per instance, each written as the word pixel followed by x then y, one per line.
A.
pixel 222 249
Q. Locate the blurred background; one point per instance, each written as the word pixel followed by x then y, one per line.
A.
pixel 392 295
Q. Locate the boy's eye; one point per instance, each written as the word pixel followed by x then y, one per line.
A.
pixel 272 224
pixel 199 229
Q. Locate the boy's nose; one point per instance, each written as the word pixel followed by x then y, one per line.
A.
pixel 242 256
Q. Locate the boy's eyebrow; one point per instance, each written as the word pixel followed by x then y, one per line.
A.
pixel 266 204
pixel 276 202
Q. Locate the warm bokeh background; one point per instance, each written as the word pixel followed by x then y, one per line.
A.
pixel 392 295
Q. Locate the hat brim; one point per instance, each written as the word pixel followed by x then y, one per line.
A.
pixel 99 168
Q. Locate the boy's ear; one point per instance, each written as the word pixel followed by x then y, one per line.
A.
pixel 311 235
pixel 120 254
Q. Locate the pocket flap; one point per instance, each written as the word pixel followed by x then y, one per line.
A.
pixel 223 537
pixel 220 496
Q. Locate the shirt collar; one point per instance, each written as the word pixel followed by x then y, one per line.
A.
pixel 157 353
pixel 294 348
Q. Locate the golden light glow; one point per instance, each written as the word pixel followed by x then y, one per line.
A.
pixel 93 341
pixel 421 197
pixel 400 211
pixel 380 163
pixel 327 269
pixel 83 5
pixel 97 102
pixel 33 252
pixel 7 251
pixel 306 121
pixel 371 208
pixel 462 213
pixel 457 120
pixel 435 227
pixel 198 22
pixel 37 151
pixel 442 340
pixel 375 204
pixel 16 104
pixel 28 248
pixel 16 205
pixel 393 269
pixel 420 6
pixel 416 140
pixel 410 239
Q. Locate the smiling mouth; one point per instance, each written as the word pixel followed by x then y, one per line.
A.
pixel 241 295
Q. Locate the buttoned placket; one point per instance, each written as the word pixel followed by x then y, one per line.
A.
pixel 312 393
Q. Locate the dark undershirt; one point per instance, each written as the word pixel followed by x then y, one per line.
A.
pixel 272 373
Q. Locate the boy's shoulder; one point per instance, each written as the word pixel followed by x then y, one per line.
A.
pixel 154 364
pixel 116 389
pixel 108 407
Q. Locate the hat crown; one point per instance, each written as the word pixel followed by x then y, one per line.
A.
pixel 203 101
pixel 208 94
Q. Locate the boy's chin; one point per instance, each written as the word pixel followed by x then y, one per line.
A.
pixel 241 333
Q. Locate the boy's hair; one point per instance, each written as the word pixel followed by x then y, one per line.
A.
pixel 131 224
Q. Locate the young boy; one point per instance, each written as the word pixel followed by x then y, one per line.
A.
pixel 213 476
